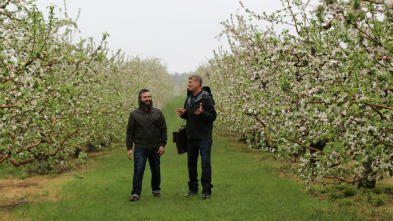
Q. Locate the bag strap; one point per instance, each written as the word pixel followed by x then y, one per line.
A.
pixel 182 125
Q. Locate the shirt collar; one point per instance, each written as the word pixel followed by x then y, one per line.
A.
pixel 198 93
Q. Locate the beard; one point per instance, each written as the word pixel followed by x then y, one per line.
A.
pixel 146 107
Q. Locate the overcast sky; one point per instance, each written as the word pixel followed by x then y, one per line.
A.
pixel 180 32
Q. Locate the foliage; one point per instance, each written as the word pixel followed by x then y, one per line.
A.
pixel 324 85
pixel 59 98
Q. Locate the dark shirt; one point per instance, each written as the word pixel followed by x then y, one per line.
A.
pixel 193 98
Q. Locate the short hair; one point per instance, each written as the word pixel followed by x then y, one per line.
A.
pixel 196 78
pixel 141 92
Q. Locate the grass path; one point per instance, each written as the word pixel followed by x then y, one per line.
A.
pixel 244 189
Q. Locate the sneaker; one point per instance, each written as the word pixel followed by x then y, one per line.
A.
pixel 206 196
pixel 134 198
pixel 157 195
pixel 191 193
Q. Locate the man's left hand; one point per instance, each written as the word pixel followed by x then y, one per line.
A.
pixel 161 150
pixel 200 110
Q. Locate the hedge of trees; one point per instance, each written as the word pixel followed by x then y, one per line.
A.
pixel 59 98
pixel 319 92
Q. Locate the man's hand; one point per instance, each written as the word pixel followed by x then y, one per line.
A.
pixel 200 110
pixel 130 154
pixel 161 150
pixel 180 112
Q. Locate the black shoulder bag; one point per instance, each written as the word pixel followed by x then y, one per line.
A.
pixel 180 138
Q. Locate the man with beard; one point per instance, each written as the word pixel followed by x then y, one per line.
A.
pixel 148 132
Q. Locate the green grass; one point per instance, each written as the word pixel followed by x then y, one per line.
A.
pixel 8 170
pixel 244 189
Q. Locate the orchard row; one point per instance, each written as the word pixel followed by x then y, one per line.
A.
pixel 318 92
pixel 59 98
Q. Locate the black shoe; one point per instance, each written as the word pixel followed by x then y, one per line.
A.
pixel 191 193
pixel 206 196
pixel 134 198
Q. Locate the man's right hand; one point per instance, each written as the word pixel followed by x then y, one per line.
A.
pixel 130 154
pixel 180 112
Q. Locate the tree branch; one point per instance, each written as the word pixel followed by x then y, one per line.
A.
pixel 5 5
pixel 316 102
pixel 12 136
pixel 264 127
pixel 7 41
pixel 293 17
pixel 379 112
pixel 69 135
pixel 9 106
pixel 29 147
pixel 54 121
pixel 349 181
pixel 374 2
pixel 377 105
pixel 78 147
pixel 10 16
pixel 4 158
pixel 308 147
pixel 50 63
pixel 387 144
pixel 17 164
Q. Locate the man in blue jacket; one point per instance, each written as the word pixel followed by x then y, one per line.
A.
pixel 147 130
pixel 200 114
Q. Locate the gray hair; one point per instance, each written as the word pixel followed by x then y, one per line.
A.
pixel 196 78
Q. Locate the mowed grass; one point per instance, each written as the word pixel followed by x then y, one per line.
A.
pixel 244 189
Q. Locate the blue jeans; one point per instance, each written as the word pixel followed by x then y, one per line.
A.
pixel 140 157
pixel 193 149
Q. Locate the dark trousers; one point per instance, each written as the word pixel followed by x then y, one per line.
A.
pixel 140 157
pixel 194 147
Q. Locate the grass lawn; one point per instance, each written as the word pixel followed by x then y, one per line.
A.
pixel 244 189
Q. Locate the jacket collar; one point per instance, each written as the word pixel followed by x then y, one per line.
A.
pixel 199 96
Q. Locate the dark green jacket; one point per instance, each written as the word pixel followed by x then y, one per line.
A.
pixel 146 129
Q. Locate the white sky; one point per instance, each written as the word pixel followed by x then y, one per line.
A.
pixel 180 32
